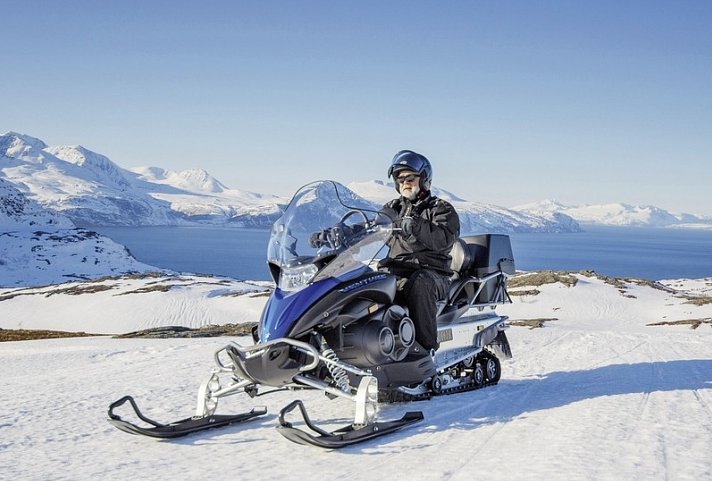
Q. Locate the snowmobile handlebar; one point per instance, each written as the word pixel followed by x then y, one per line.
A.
pixel 341 234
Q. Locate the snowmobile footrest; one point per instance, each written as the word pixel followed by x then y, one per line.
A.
pixel 178 428
pixel 340 438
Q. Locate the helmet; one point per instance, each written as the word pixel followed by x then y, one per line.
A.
pixel 409 160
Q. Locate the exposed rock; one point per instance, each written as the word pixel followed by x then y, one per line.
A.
pixel 535 279
pixel 242 329
pixel 694 323
pixel 7 335
pixel 531 323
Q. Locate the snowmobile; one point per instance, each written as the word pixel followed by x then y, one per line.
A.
pixel 332 324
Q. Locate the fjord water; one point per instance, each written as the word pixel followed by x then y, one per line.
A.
pixel 641 252
pixel 231 252
pixel 648 253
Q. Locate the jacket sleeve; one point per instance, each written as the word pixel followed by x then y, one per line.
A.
pixel 388 213
pixel 440 231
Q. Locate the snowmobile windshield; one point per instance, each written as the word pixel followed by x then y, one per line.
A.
pixel 326 231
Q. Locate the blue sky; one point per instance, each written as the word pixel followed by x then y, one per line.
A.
pixel 513 101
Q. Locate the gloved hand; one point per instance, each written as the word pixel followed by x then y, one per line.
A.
pixel 334 237
pixel 319 239
pixel 406 225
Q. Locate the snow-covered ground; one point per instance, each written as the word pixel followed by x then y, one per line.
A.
pixel 595 394
pixel 117 305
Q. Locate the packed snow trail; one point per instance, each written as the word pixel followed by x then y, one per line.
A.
pixel 576 402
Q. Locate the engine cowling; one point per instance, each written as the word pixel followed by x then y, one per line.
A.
pixel 378 341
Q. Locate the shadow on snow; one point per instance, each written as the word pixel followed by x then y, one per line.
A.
pixel 510 399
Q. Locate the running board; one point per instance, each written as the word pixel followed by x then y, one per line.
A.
pixel 340 438
pixel 178 428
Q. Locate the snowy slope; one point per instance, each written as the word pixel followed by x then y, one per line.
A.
pixel 17 212
pixel 595 394
pixel 120 304
pixel 42 258
pixel 40 247
pixel 140 302
pixel 618 214
pixel 476 217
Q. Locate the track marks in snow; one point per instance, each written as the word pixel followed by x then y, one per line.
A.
pixel 704 403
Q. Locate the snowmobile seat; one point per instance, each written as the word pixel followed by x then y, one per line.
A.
pixel 460 258
pixel 479 256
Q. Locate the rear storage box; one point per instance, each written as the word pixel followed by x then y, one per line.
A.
pixel 487 254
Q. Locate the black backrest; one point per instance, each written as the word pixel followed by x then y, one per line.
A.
pixel 479 256
pixel 460 257
pixel 487 253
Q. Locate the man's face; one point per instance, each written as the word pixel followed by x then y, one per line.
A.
pixel 409 183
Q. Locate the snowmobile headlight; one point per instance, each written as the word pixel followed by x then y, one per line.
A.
pixel 295 278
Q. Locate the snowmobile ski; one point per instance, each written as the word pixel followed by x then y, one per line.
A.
pixel 178 428
pixel 342 437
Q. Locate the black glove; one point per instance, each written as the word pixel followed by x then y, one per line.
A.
pixel 337 236
pixel 406 224
pixel 334 237
pixel 318 239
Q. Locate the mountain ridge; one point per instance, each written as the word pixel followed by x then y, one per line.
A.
pixel 618 214
pixel 92 190
pixel 475 216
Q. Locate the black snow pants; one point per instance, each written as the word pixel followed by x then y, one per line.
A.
pixel 420 290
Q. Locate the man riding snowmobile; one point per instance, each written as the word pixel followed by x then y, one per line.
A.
pixel 333 322
pixel 419 254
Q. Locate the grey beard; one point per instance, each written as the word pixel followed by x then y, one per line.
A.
pixel 410 195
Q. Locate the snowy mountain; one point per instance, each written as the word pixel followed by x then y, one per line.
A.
pixel 199 197
pixel 477 217
pixel 617 214
pixel 92 190
pixel 86 187
pixel 40 247
pixel 191 180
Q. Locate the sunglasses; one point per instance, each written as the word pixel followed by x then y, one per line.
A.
pixel 406 178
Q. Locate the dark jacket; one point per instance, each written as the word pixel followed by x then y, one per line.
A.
pixel 435 228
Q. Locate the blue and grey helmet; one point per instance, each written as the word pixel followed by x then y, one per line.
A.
pixel 409 160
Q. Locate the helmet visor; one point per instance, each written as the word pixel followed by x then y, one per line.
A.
pixel 407 160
